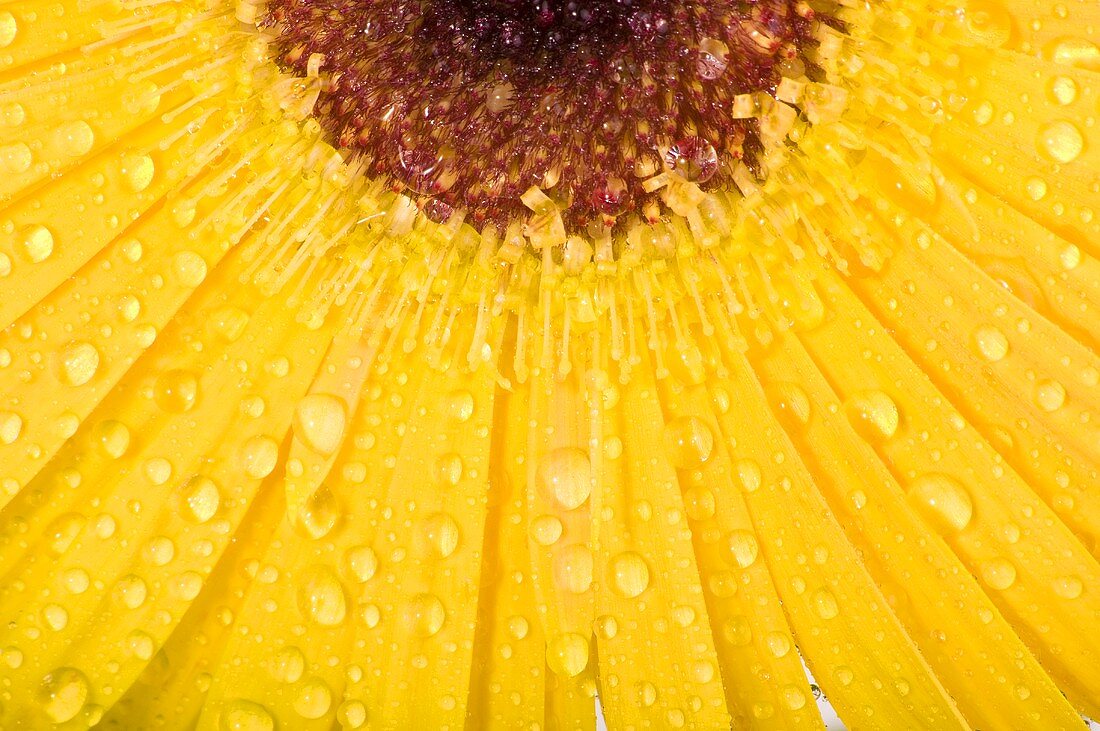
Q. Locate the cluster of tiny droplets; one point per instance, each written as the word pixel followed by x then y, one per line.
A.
pixel 466 104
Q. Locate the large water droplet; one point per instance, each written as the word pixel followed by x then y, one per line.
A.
pixel 942 501
pixel 319 421
pixel 741 548
pixel 1061 141
pixel 77 363
pixel 201 498
pixel 1050 395
pixel 873 414
pixel 426 614
pixel 242 715
pixel 321 597
pixel 75 138
pixel 63 694
pixel 313 699
pixel 36 243
pixel 176 391
pixel 629 574
pixel 999 573
pixel 440 533
pixel 566 474
pixel 991 343
pixel 567 654
pixel 259 456
pixel 362 563
pixel 689 441
pixel 319 514
pixel 824 603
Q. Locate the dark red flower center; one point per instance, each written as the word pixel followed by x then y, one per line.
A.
pixel 466 104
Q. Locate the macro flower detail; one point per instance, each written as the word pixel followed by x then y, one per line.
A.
pixel 458 363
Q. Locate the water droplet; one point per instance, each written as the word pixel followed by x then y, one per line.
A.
pixel 362 563
pixel 352 714
pixel 999 573
pixel 63 531
pixel 63 694
pixel 426 614
pixel 259 456
pixel 1070 257
pixel 873 414
pixel 749 473
pixel 157 470
pixel 546 530
pixel 77 363
pixel 792 697
pixel 1050 395
pixel 567 654
pixel 647 694
pixel 319 421
pixel 566 474
pixel 8 28
pixel 1068 587
pixel 1063 90
pixel 189 268
pixel 313 699
pixel 321 597
pixel 448 469
pixel 15 158
pixel 242 715
pixel 693 158
pixel 287 665
pixel 35 243
pixel 460 405
pixel 55 617
pixel 737 631
pixel 319 514
pixel 158 551
pixel 1036 188
pixel 201 498
pixel 440 532
pixel 942 501
pixel 573 568
pixel 699 503
pixel 791 402
pixel 688 441
pixel 991 343
pixel 779 643
pixel 824 603
pixel 741 548
pixel 176 391
pixel 137 171
pixel 1061 141
pixel 75 138
pixel 630 574
pixel 140 645
pixel 712 59
pixel 11 425
pixel 229 323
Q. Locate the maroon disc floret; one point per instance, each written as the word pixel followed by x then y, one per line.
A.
pixel 466 104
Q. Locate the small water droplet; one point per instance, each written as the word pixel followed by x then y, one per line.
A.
pixel 77 363
pixel 546 530
pixel 352 714
pixel 11 426
pixel 693 158
pixel 573 568
pixel 137 171
pixel 824 603
pixel 749 473
pixel 460 405
pixel 699 503
pixel 75 138
pixel 448 469
pixel 176 391
pixel 287 665
pixel 1063 90
pixel 319 514
pixel 741 548
pixel 8 28
pixel 1068 587
pixel 189 268
pixel 63 530
pixel 1050 395
pixel 630 574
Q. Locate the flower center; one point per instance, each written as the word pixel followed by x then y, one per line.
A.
pixel 467 104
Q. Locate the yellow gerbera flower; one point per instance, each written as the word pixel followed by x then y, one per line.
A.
pixel 439 364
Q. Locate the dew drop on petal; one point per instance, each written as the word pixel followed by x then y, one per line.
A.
pixel 1050 395
pixel 259 456
pixel 201 499
pixel 999 573
pixel 425 614
pixel 741 548
pixel 573 568
pixel 688 441
pixel 319 421
pixel 176 391
pixel 77 363
pixel 566 475
pixel 11 426
pixel 321 597
pixel 287 665
pixel 990 343
pixel 440 533
pixel 873 414
pixel 313 699
pixel 75 138
pixel 63 694
pixel 1068 587
pixel 242 715
pixel 361 562
pixel 567 654
pixel 942 501
pixel 546 530
pixel 629 574
pixel 320 513
pixel 36 243
pixel 1061 141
